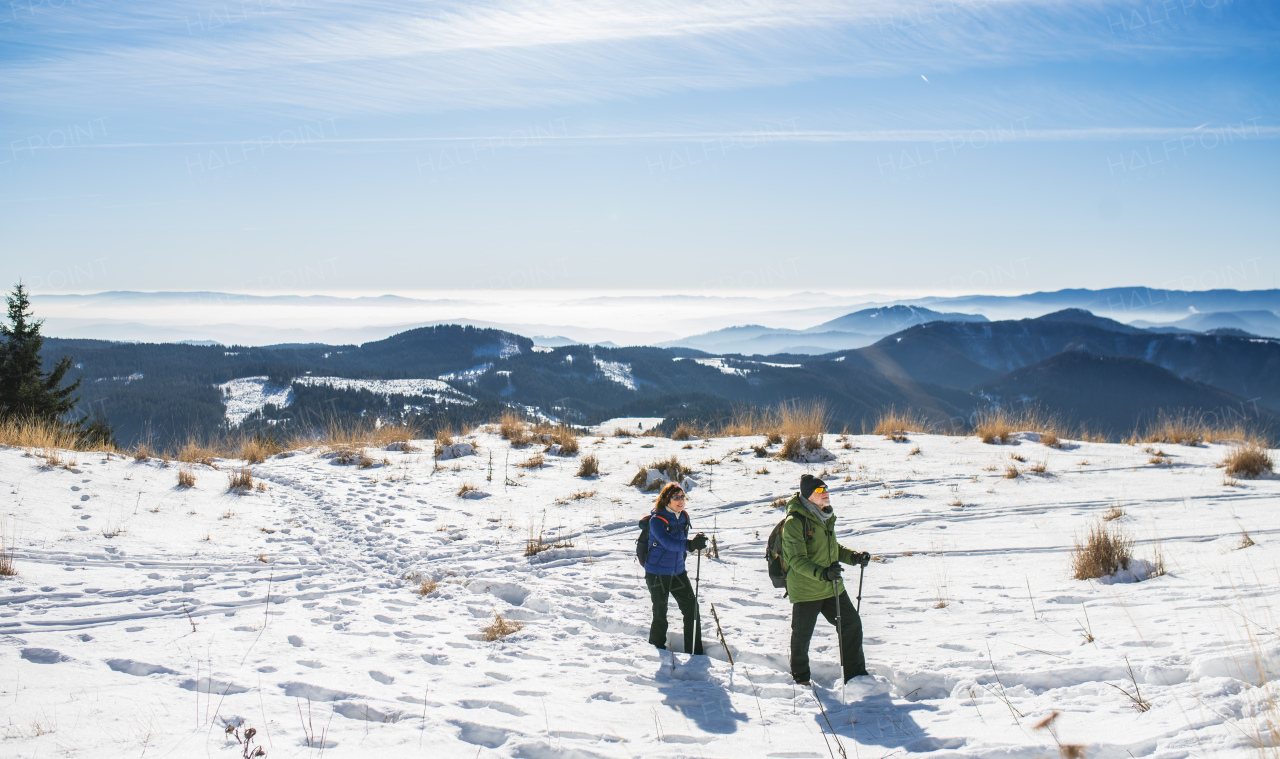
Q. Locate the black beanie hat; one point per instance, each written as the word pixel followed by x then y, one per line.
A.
pixel 809 483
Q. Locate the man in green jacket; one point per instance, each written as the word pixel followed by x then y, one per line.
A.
pixel 812 559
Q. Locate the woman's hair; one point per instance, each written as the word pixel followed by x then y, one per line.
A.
pixel 665 496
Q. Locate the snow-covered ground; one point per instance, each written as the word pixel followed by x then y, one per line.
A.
pixel 292 609
pixel 249 395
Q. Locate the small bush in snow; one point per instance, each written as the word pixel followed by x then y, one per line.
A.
pixel 1105 551
pixel 667 470
pixel 186 477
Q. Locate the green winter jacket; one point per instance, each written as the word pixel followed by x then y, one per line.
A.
pixel 805 559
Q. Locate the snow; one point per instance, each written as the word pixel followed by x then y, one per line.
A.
pixel 248 395
pixel 437 390
pixel 467 376
pixel 719 363
pixel 150 642
pixel 635 424
pixel 616 371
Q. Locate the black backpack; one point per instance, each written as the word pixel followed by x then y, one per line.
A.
pixel 642 542
pixel 773 551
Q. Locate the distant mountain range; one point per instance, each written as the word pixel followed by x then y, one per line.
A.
pixel 809 322
pixel 1096 372
pixel 853 330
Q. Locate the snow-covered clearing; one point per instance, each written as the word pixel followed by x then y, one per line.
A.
pixel 248 395
pixel 292 610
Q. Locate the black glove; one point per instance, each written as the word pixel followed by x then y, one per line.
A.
pixel 698 543
pixel 831 573
pixel 862 559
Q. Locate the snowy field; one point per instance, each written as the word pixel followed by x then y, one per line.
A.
pixel 146 618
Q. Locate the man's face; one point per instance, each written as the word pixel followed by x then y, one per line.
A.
pixel 822 499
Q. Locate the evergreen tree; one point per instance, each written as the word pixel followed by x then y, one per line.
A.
pixel 26 390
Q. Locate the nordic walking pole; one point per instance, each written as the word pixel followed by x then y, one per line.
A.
pixel 861 568
pixel 835 585
pixel 697 619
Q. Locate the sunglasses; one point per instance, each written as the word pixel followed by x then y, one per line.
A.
pixel 677 496
pixel 818 490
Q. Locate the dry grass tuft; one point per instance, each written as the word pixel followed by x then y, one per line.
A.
pixel 1050 439
pixel 567 438
pixel 515 429
pixel 578 496
pixel 670 468
pixel 623 432
pixel 894 425
pixel 361 433
pixel 803 426
pixel 590 467
pixel 779 503
pixel 536 461
pixel 914 451
pixel 1115 513
pixel 186 477
pixel 7 567
pixel 1105 550
pixel 500 627
pixel 994 427
pixel 426 586
pixel 467 487
pixel 256 449
pixel 240 480
pixel 1040 467
pixel 1246 539
pixel 1011 471
pixel 32 432
pixel 1248 459
pixel 196 451
pixel 685 432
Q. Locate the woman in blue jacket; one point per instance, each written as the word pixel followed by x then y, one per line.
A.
pixel 664 571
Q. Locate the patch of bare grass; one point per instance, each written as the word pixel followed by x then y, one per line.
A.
pixel 1105 550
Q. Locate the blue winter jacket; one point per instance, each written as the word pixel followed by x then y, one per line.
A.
pixel 667 546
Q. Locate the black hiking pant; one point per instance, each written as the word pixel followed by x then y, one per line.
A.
pixel 804 616
pixel 660 586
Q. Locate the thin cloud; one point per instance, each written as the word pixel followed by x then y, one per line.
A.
pixel 427 57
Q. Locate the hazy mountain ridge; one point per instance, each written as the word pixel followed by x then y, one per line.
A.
pixel 946 369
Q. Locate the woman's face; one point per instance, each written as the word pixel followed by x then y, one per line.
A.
pixel 676 503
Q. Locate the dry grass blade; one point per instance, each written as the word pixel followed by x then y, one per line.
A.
pixel 500 627
pixel 1105 551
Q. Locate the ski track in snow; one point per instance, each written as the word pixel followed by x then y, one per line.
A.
pixel 972 623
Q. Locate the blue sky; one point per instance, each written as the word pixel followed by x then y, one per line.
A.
pixel 993 145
